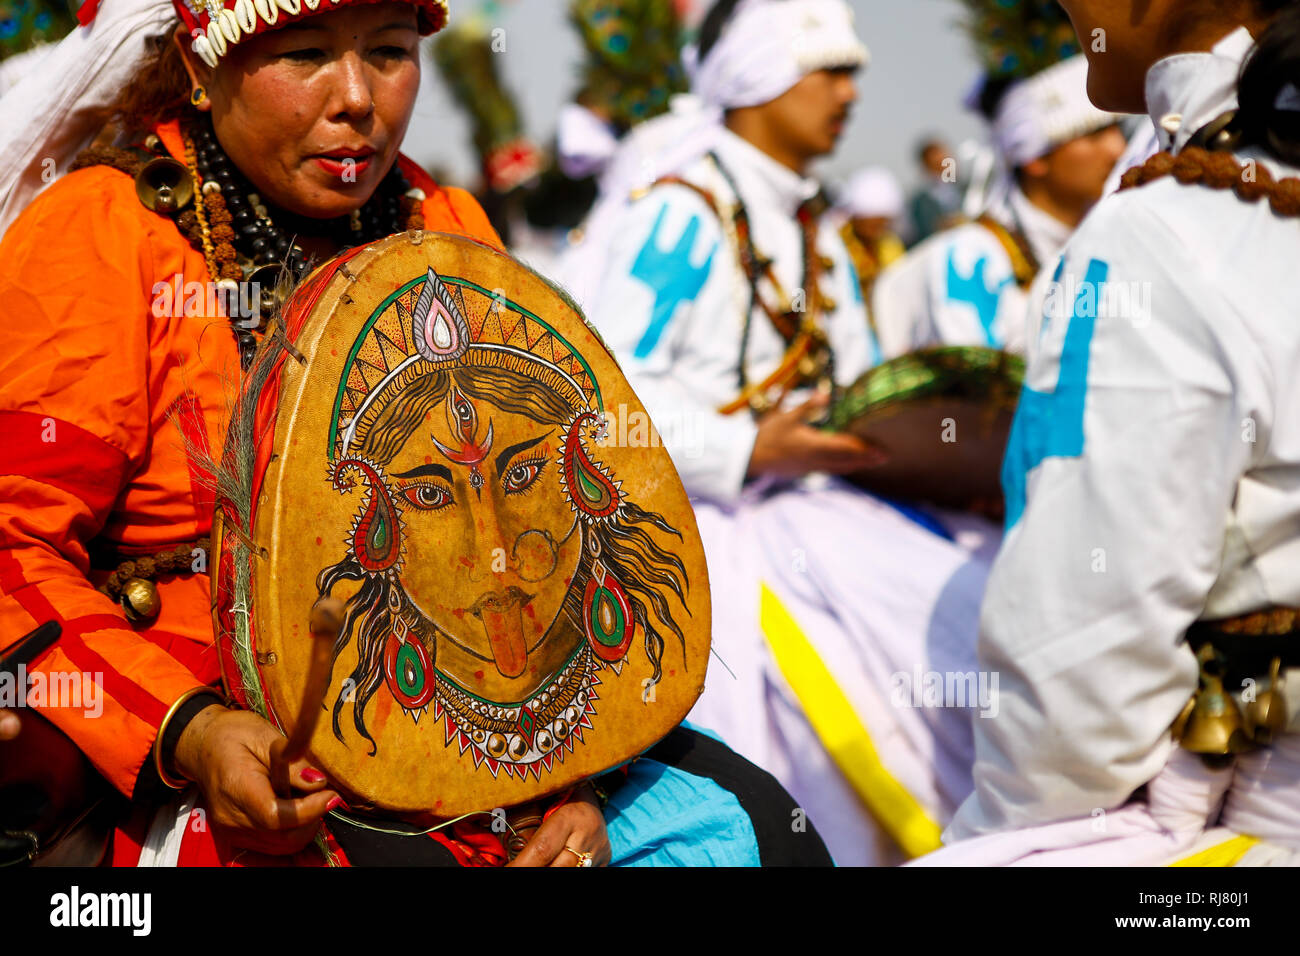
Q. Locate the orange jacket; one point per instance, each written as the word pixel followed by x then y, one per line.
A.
pixel 100 393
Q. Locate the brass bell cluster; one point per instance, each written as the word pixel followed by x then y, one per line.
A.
pixel 1216 727
pixel 166 186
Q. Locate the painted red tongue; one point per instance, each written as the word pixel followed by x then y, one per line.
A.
pixel 505 631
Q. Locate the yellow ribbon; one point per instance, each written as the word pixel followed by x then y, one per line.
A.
pixel 842 732
pixel 1226 853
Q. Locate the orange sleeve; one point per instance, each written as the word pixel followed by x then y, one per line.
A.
pixel 468 211
pixel 76 277
pixel 450 209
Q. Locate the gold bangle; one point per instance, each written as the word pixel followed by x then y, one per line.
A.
pixel 176 783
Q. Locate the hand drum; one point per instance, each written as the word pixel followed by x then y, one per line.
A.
pixel 944 416
pixel 426 437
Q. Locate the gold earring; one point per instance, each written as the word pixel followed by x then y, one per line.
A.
pixel 199 97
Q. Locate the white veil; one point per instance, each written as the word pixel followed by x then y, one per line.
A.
pixel 57 107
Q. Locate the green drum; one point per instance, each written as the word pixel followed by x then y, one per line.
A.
pixel 943 415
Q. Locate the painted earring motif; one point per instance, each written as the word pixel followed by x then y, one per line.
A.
pixel 408 670
pixel 607 615
pixel 590 488
pixel 376 534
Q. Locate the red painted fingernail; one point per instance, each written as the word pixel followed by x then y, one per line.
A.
pixel 312 775
pixel 335 804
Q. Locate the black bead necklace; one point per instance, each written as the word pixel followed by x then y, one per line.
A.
pixel 266 241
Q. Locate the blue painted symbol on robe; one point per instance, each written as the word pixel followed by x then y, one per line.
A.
pixel 1050 424
pixel 974 291
pixel 670 274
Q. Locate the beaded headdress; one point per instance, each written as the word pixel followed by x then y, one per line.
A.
pixel 216 25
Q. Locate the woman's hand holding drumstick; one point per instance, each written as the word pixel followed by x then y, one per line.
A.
pixel 249 772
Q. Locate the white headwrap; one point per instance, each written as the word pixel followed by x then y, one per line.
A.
pixel 54 111
pixel 770 45
pixel 872 193
pixel 766 47
pixel 1046 111
pixel 584 142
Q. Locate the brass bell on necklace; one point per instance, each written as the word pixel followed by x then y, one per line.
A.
pixel 266 281
pixel 140 600
pixel 164 185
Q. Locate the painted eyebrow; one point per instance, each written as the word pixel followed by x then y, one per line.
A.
pixel 505 456
pixel 425 471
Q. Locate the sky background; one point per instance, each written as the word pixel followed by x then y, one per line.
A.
pixel 921 69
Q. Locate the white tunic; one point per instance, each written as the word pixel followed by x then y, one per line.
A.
pixel 959 287
pixel 673 297
pixel 1153 479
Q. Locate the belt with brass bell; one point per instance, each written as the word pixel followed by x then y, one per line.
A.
pixel 1212 724
pixel 1249 643
pixel 131 583
pixel 1234 656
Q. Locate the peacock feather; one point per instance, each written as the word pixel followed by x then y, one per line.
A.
pixel 1015 39
pixel 633 57
pixel 26 23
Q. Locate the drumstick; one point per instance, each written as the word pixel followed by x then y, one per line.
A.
pixel 30 646
pixel 326 620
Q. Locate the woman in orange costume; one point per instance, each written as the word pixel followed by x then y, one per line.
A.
pixel 129 322
pixel 116 362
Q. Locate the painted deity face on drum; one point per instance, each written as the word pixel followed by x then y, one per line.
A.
pixel 501 568
pixel 476 473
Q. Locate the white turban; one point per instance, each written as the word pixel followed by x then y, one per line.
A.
pixel 872 193
pixel 766 47
pixel 1046 111
pixel 770 45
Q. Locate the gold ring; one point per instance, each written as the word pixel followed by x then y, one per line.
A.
pixel 584 859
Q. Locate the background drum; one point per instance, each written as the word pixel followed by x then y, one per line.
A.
pixel 943 415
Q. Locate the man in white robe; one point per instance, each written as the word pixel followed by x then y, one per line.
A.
pixel 969 285
pixel 1153 480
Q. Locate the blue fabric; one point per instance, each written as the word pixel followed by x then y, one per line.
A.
pixel 663 816
pixel 974 291
pixel 1050 424
pixel 670 274
pixel 922 518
